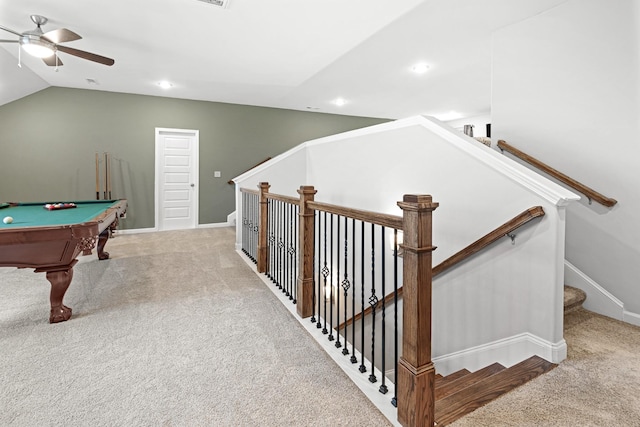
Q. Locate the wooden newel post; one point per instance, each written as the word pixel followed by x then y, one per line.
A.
pixel 416 374
pixel 263 213
pixel 304 305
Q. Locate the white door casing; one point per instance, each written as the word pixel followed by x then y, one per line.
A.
pixel 176 181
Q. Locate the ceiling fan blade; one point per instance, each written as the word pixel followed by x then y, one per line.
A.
pixel 61 35
pixel 86 55
pixel 10 30
pixel 9 41
pixel 53 61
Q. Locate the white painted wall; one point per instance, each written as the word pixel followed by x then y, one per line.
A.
pixel 566 90
pixel 500 295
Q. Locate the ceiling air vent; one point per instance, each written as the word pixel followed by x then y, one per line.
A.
pixel 220 3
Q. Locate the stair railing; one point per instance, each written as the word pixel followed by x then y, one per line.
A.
pixel 505 230
pixel 231 182
pixel 323 244
pixel 578 186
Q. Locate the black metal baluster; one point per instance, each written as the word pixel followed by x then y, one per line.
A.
pixel 256 228
pixel 244 222
pixel 280 244
pixel 293 249
pixel 353 359
pixel 346 285
pixel 285 250
pixel 319 294
pixel 325 273
pixel 394 399
pixel 383 387
pixel 313 262
pixel 331 337
pixel 271 240
pixel 373 302
pixel 245 225
pixel 362 366
pixel 250 228
pixel 338 343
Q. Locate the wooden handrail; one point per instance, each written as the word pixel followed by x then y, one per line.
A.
pixel 384 220
pixel 230 182
pixel 578 186
pixel 284 199
pixel 467 252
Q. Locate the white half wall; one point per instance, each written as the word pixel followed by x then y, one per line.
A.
pixel 507 291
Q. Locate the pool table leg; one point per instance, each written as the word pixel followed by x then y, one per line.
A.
pixel 60 280
pixel 102 240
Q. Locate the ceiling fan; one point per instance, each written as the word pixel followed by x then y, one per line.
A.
pixel 47 45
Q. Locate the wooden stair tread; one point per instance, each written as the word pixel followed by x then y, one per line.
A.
pixel 482 392
pixel 458 384
pixel 442 381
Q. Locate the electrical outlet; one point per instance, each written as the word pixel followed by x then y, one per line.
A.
pixel 216 174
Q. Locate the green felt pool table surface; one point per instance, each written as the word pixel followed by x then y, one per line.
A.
pixel 36 215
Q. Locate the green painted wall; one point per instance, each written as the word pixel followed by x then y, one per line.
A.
pixel 48 142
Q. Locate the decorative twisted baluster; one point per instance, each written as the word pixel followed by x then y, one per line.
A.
pixel 345 286
pixel 373 302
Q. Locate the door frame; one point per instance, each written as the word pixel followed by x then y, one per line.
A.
pixel 159 155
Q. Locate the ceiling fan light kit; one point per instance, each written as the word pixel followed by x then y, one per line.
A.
pixel 47 45
pixel 34 46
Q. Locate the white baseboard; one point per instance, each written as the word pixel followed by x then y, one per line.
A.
pixel 599 300
pixel 632 318
pixel 507 352
pixel 231 218
pixel 135 231
pixel 154 229
pixel 216 225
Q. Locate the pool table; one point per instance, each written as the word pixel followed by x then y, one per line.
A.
pixel 51 240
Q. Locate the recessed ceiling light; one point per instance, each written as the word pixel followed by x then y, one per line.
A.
pixel 340 102
pixel 420 68
pixel 165 84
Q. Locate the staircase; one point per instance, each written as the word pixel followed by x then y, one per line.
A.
pixel 462 392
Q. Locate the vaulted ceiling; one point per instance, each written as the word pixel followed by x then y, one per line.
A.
pixel 293 54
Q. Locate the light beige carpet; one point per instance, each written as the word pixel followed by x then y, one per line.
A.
pixel 174 330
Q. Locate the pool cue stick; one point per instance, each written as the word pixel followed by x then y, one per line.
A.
pixel 106 176
pixel 97 177
pixel 109 170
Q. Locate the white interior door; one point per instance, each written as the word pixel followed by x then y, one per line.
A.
pixel 176 178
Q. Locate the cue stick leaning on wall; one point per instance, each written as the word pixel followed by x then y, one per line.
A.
pixel 97 177
pixel 109 171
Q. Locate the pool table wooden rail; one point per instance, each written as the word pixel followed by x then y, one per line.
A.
pixel 54 250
